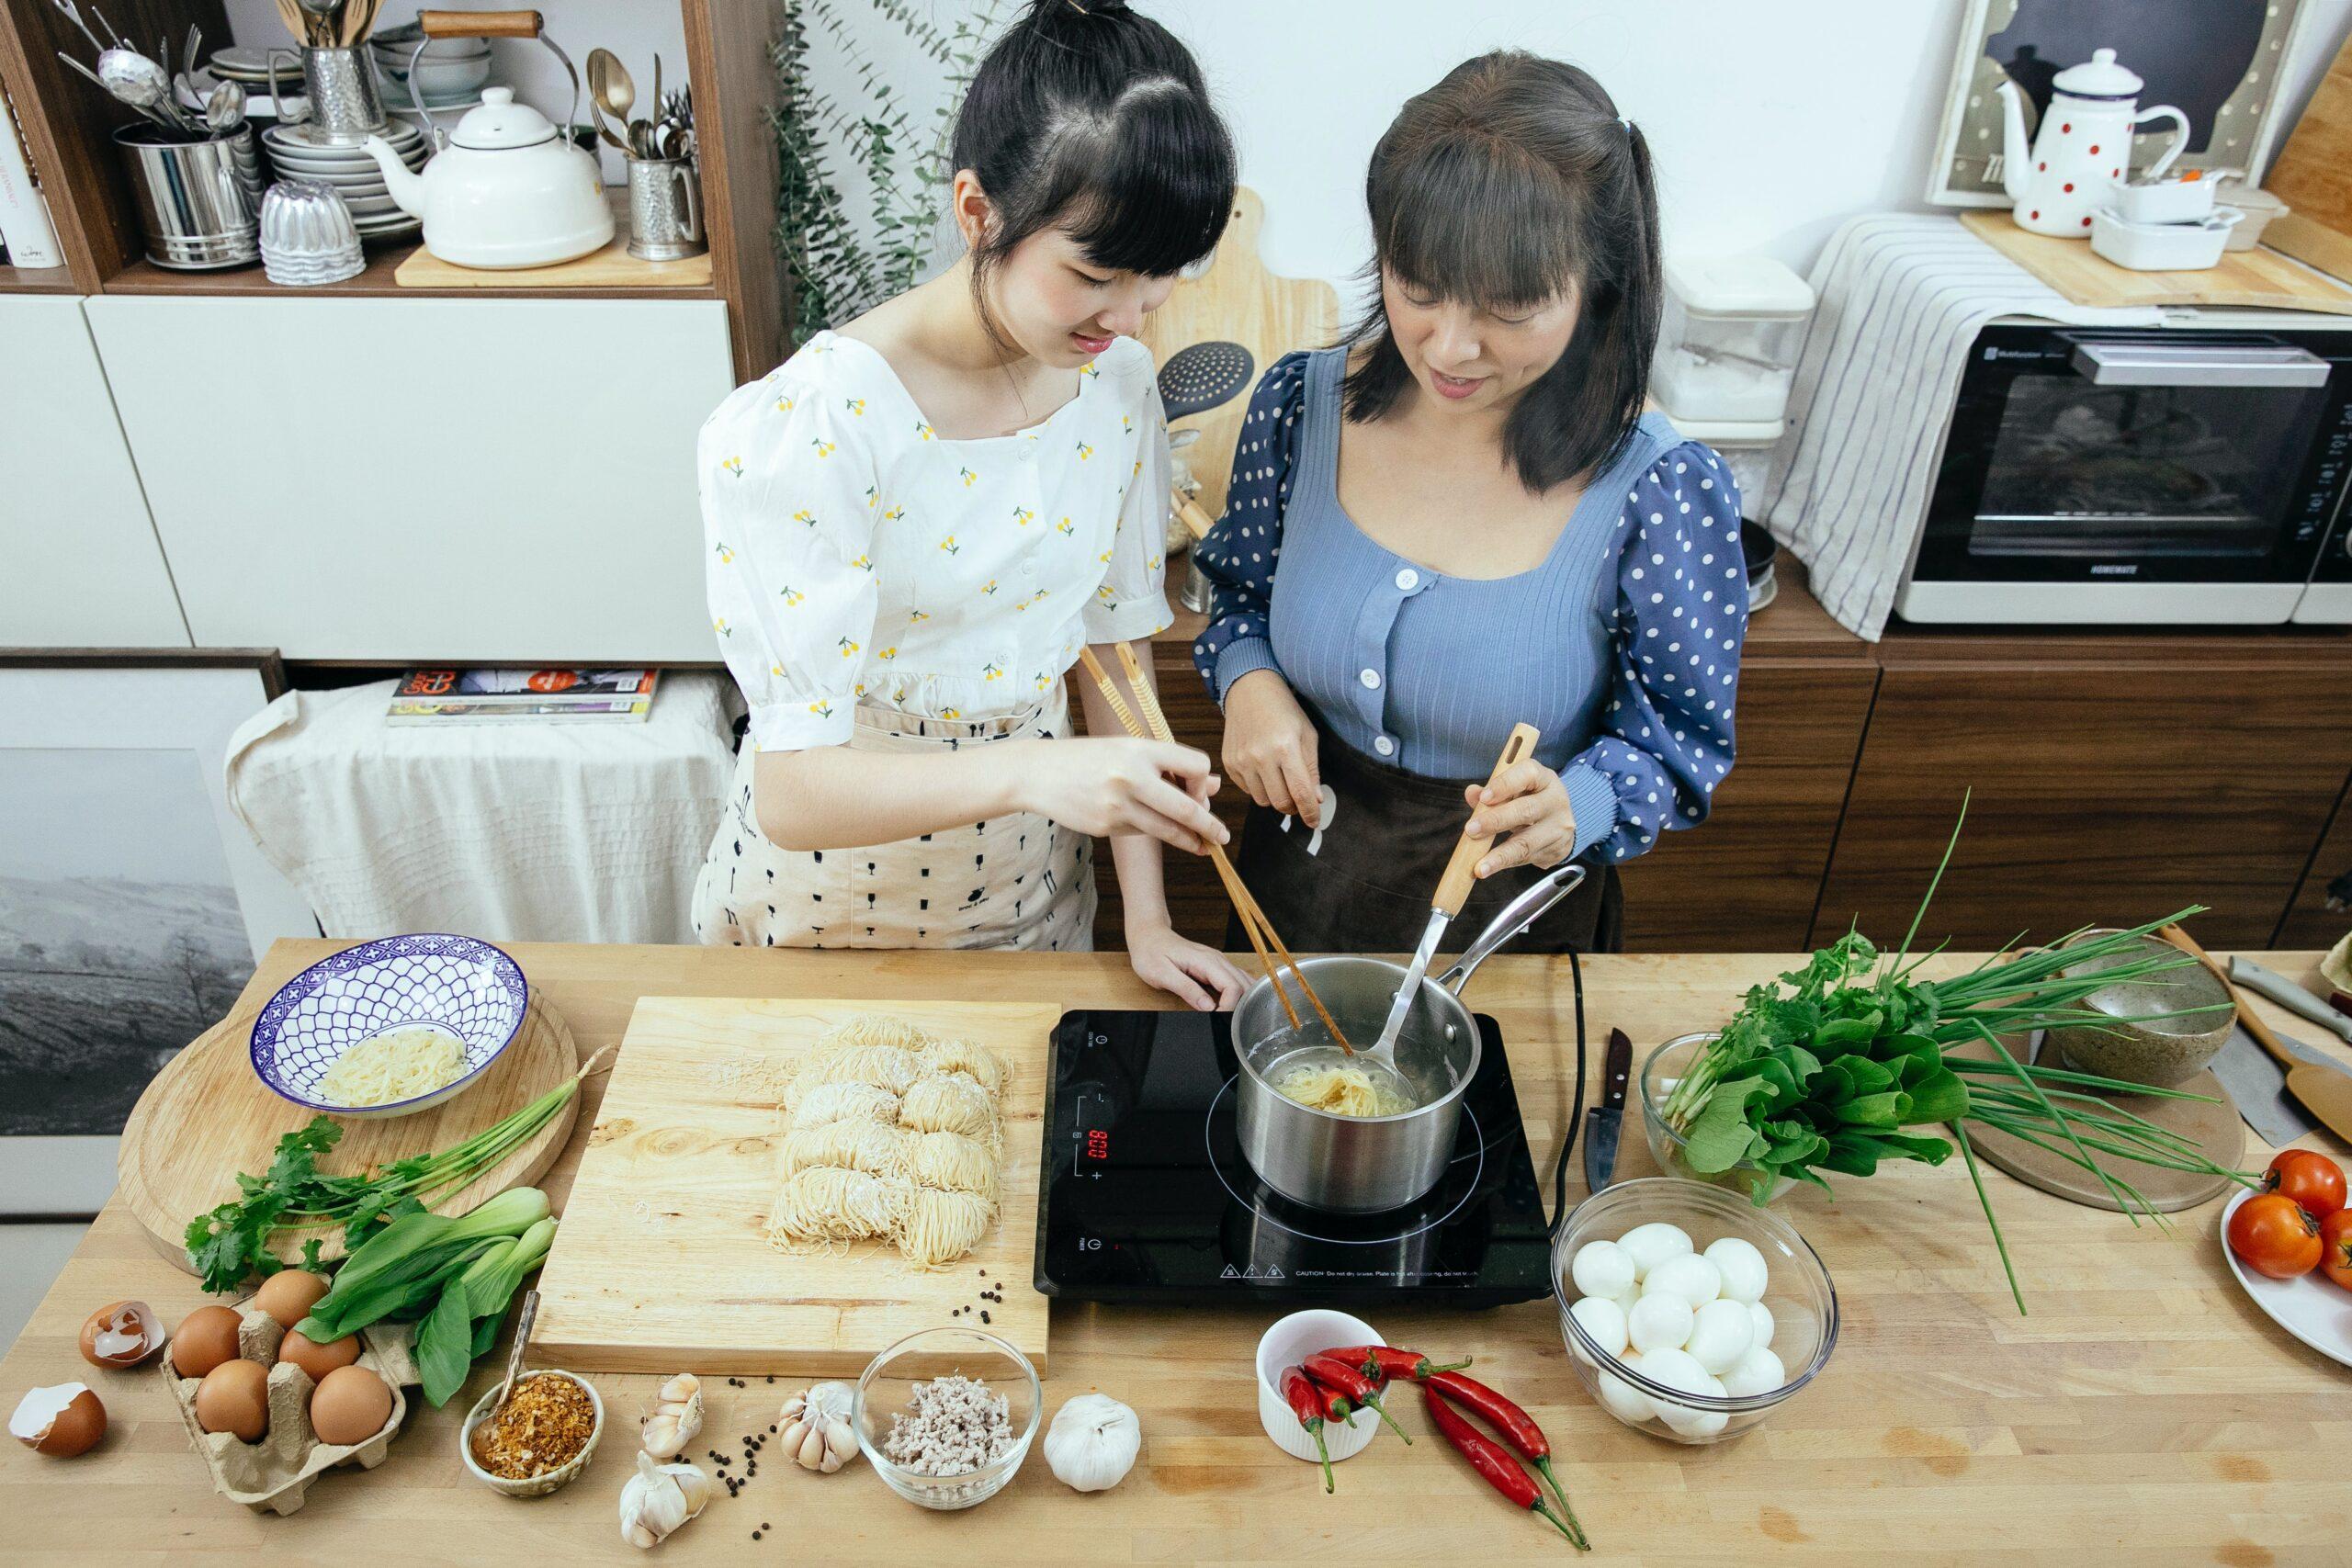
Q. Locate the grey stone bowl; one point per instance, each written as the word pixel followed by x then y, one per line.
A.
pixel 2164 1052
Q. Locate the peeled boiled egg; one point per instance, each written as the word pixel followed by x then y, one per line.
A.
pixel 1604 1321
pixel 1762 1315
pixel 1744 1273
pixel 315 1358
pixel 1686 1275
pixel 1661 1322
pixel 1758 1372
pixel 121 1334
pixel 60 1421
pixel 205 1339
pixel 289 1295
pixel 1721 1333
pixel 234 1398
pixel 1652 1244
pixel 350 1405
pixel 1691 1422
pixel 1624 1401
pixel 1601 1268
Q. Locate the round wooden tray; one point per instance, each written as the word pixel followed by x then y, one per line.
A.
pixel 2213 1126
pixel 206 1117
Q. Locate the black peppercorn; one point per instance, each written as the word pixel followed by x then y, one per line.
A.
pixel 984 1318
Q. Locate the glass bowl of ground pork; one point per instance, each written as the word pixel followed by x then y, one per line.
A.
pixel 945 1417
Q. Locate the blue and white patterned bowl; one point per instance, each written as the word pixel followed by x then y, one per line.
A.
pixel 458 984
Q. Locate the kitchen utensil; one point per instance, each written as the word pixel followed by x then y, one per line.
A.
pixel 198 202
pixel 1365 1164
pixel 347 104
pixel 1196 380
pixel 1604 1121
pixel 306 235
pixel 2258 1086
pixel 1666 1066
pixel 508 190
pixel 664 210
pixel 2312 1308
pixel 2083 146
pixel 1452 888
pixel 1283 1346
pixel 664 1221
pixel 609 85
pixel 224 108
pixel 657 92
pixel 143 85
pixel 2163 247
pixel 537 1485
pixel 885 1388
pixel 73 14
pixel 1797 1292
pixel 2287 995
pixel 524 1319
pixel 205 1119
pixel 322 20
pixel 2135 1044
pixel 2326 1092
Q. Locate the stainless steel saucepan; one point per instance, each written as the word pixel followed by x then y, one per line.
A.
pixel 1364 1164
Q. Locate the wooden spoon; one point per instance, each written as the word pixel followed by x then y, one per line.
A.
pixel 2326 1092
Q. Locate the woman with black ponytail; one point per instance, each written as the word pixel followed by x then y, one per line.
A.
pixel 916 522
pixel 1462 519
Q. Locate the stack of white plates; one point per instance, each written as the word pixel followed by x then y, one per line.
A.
pixel 303 153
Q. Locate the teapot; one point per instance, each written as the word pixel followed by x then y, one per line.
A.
pixel 506 188
pixel 2084 146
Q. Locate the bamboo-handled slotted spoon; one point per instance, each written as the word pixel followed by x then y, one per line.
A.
pixel 2326 1092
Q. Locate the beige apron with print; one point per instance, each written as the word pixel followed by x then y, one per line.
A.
pixel 1018 881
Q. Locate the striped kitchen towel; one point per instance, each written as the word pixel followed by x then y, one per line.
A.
pixel 1901 297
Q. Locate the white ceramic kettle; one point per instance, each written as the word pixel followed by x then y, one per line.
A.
pixel 2084 150
pixel 506 188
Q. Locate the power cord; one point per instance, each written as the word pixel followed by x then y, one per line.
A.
pixel 1576 1110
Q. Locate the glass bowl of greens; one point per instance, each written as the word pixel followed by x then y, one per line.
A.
pixel 1667 1067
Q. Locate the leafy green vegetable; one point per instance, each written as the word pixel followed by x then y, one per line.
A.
pixel 402 1271
pixel 444 1347
pixel 1823 1070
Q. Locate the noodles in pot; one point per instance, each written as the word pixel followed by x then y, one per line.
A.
pixel 1340 1088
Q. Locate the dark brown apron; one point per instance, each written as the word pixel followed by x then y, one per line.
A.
pixel 1367 887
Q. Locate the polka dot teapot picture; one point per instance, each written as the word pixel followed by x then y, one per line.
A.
pixel 2084 150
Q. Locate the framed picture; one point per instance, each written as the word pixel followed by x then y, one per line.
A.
pixel 133 905
pixel 2218 61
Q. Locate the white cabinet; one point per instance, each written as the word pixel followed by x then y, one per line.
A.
pixel 427 479
pixel 79 563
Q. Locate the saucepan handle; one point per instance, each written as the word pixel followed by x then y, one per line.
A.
pixel 1517 915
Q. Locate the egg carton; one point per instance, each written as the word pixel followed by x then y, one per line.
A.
pixel 274 1475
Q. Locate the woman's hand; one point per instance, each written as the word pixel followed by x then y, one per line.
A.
pixel 1201 977
pixel 1525 809
pixel 1119 785
pixel 1270 746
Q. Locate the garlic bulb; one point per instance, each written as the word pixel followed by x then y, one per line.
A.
pixel 677 1416
pixel 659 1498
pixel 815 1427
pixel 1093 1443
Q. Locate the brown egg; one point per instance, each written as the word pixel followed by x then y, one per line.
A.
pixel 315 1358
pixel 234 1398
pixel 205 1339
pixel 288 1294
pixel 121 1334
pixel 351 1405
pixel 60 1421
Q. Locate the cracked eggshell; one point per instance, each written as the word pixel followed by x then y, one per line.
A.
pixel 61 1421
pixel 121 1334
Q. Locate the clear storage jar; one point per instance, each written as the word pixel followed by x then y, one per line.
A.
pixel 1727 345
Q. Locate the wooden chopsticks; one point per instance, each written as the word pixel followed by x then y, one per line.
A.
pixel 1254 924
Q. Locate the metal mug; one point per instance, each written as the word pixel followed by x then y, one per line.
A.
pixel 347 103
pixel 199 202
pixel 1365 1164
pixel 664 210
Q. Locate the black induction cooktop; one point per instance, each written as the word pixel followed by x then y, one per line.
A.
pixel 1146 1197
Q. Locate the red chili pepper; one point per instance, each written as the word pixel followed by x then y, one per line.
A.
pixel 1383 1363
pixel 1301 1396
pixel 1490 1459
pixel 1518 1427
pixel 1335 1403
pixel 1336 1374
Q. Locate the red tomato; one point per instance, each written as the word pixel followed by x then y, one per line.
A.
pixel 2314 1181
pixel 2275 1238
pixel 2335 1248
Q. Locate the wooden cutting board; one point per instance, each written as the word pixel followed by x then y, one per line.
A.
pixel 2259 278
pixel 612 267
pixel 662 1264
pixel 2314 176
pixel 206 1117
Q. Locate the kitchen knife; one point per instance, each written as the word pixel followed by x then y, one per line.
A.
pixel 2258 1086
pixel 1606 1120
pixel 2290 995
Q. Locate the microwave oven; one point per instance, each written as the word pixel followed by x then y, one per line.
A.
pixel 2189 473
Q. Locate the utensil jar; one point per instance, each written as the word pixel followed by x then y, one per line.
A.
pixel 347 102
pixel 199 202
pixel 664 210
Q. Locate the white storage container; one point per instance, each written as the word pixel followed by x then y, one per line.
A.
pixel 1727 347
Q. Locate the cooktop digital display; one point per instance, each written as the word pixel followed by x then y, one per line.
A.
pixel 1146 1197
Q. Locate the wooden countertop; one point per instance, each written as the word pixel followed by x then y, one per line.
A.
pixel 2146 1399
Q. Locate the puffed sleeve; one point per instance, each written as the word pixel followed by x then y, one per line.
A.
pixel 1131 601
pixel 1239 556
pixel 1682 617
pixel 789 531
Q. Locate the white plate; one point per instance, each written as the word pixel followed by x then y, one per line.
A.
pixel 2312 1308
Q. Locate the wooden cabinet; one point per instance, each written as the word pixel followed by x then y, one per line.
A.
pixel 2112 779
pixel 79 563
pixel 2310 923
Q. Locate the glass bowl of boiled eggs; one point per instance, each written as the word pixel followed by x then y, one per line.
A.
pixel 1689 1312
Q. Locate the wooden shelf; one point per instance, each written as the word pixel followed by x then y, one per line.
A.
pixel 145 276
pixel 37 280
